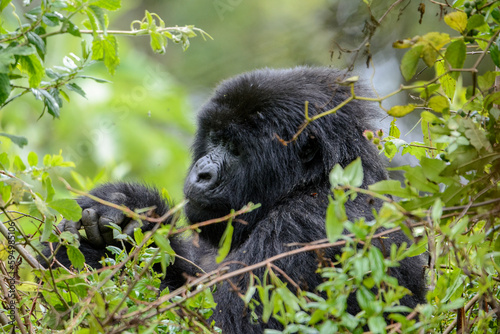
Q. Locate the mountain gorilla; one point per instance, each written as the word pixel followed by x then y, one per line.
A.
pixel 238 159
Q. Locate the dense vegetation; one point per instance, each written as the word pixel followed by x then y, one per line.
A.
pixel 449 204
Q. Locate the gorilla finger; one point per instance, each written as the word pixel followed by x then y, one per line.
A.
pixel 72 227
pixel 91 225
pixel 106 231
pixel 114 216
pixel 129 229
pixel 61 226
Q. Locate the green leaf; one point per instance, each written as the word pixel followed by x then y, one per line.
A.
pixel 50 102
pixel 487 80
pixel 429 90
pixel 454 285
pixel 49 218
pixel 353 173
pixel 47 185
pixel 437 210
pixel 432 168
pixel 495 54
pixel 32 159
pixel 455 56
pixel 447 81
pixel 106 49
pixel 225 242
pixel 5 87
pixel 19 164
pixel 377 264
pixel 77 89
pixel 475 21
pixel 107 4
pixel 4 160
pixel 71 28
pixel 138 235
pixel 491 99
pixel 400 111
pixel 33 67
pixel 334 226
pixel 163 243
pixel 495 14
pixel 6 59
pixel 457 21
pixel 99 80
pixel 24 50
pixel 336 176
pixel 439 104
pixel 158 42
pixel 97 18
pixel 390 187
pixel 394 130
pixel 417 178
pixel 364 297
pixel 50 19
pixel 409 62
pixel 37 41
pixel 377 324
pixel 432 43
pixel 18 140
pixel 416 249
pixel 476 136
pixel 69 208
pixel 4 3
pixel 75 256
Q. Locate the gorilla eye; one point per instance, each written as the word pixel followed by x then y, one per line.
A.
pixel 234 148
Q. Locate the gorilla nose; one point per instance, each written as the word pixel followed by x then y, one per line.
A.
pixel 207 176
pixel 203 176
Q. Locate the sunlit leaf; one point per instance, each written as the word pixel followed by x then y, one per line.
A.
pixel 390 187
pixel 447 81
pixel 457 21
pixel 33 67
pixel 439 104
pixel 225 242
pixel 353 173
pixel 334 226
pixel 106 49
pixel 107 4
pixel 432 42
pixel 400 111
pixel 76 257
pixel 69 208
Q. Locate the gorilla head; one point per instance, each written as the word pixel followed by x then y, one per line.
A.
pixel 239 159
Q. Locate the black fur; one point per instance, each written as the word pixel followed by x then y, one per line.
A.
pixel 237 159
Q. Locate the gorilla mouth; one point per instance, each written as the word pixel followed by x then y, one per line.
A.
pixel 199 211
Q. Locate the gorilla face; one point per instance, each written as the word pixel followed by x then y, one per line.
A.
pixel 231 168
pixel 238 159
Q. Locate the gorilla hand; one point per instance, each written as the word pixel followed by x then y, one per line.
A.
pixel 97 217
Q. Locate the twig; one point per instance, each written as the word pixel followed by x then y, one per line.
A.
pixel 471 303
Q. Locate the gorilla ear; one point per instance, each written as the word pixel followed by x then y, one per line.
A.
pixel 310 150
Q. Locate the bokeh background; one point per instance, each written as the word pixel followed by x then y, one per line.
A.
pixel 139 127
